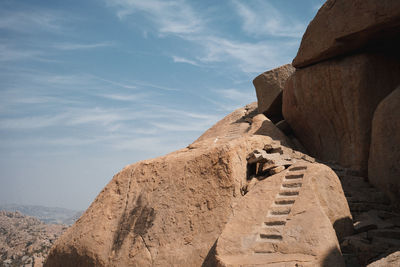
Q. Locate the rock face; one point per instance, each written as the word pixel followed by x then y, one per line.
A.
pixel 167 211
pixel 269 86
pixel 330 105
pixel 276 222
pixel 384 159
pixel 343 26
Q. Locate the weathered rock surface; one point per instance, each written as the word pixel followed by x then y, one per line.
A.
pixel 330 105
pixel 393 260
pixel 377 227
pixel 342 26
pixel 384 156
pixel 168 211
pixel 275 224
pixel 269 86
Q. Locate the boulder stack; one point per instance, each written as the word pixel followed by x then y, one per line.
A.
pixel 348 62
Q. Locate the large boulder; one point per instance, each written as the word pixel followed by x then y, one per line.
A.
pixel 384 155
pixel 343 26
pixel 167 211
pixel 269 86
pixel 330 105
pixel 289 218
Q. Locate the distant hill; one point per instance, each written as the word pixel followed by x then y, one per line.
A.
pixel 25 240
pixel 49 215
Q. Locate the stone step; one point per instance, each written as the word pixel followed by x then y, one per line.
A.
pixel 298 168
pixel 288 193
pixel 364 206
pixel 292 185
pixel 275 223
pixel 284 202
pixel 271 237
pixel 384 233
pixel 377 197
pixel 294 176
pixel 279 211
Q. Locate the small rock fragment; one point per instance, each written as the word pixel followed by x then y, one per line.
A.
pixel 276 170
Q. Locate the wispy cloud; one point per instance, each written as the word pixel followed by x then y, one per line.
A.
pixel 77 46
pixel 26 21
pixel 236 95
pixel 262 19
pixel 174 17
pixel 250 57
pixel 11 53
pixel 178 18
pixel 184 60
pixel 123 97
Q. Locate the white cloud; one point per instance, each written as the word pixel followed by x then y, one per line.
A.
pixel 32 122
pixel 26 21
pixel 10 53
pixel 177 59
pixel 236 95
pixel 121 97
pixel 175 17
pixel 178 18
pixel 250 57
pixel 262 19
pixel 76 46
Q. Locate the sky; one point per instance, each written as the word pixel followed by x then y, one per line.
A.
pixel 88 87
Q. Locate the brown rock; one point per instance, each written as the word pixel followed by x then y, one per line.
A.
pixel 276 170
pixel 170 210
pixel 269 86
pixel 384 156
pixel 393 260
pixel 342 26
pixel 330 105
pixel 276 222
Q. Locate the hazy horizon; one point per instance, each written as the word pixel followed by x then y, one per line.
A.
pixel 88 87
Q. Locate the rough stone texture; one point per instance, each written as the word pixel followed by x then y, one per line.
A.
pixel 384 159
pixel 393 260
pixel 269 86
pixel 168 211
pixel 330 105
pixel 275 224
pixel 342 26
pixel 24 240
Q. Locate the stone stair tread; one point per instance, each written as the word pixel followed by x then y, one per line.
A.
pixel 384 233
pixel 270 259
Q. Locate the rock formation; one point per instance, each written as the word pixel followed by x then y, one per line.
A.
pixel 169 210
pixel 384 156
pixel 341 27
pixel 275 222
pixel 24 240
pixel 347 63
pixel 245 193
pixel 269 86
pixel 330 105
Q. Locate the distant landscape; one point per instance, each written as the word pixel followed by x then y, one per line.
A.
pixel 48 215
pixel 27 232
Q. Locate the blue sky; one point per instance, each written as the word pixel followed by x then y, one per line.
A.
pixel 87 87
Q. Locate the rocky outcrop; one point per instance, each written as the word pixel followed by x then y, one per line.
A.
pixel 384 159
pixel 341 27
pixel 269 86
pixel 275 222
pixel 168 211
pixel 25 240
pixel 330 105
